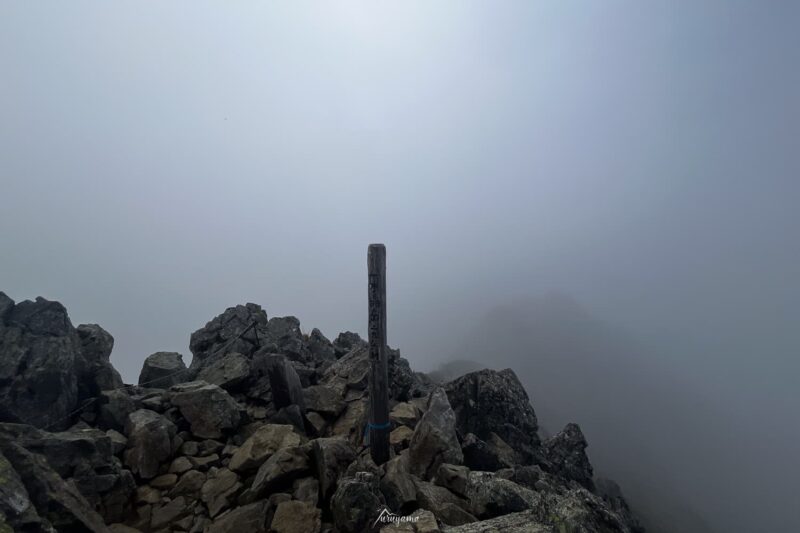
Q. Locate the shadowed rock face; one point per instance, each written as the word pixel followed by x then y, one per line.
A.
pixel 274 441
pixel 49 367
pixel 488 401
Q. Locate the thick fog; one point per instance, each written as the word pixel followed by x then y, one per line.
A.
pixel 601 195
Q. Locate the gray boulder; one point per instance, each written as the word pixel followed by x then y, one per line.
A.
pixel 565 452
pixel 150 442
pixel 332 456
pixel 284 382
pixel 231 331
pixel 488 401
pixel 163 370
pixel 346 342
pixel 323 399
pixel 320 347
pixel 281 469
pixel 434 440
pixel 42 355
pixel 490 455
pixel 490 495
pixel 209 409
pixel 264 442
pixel 95 369
pixel 230 371
pixel 114 408
pixel 355 505
pixel 247 518
pixel 296 517
pixel 397 485
pixel 60 502
pixel 16 508
pixel 85 458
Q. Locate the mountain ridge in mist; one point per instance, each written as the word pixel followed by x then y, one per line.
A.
pixel 635 413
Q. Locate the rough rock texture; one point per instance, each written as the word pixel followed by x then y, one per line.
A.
pixel 566 453
pixel 210 410
pixel 296 517
pixel 284 382
pixel 42 363
pixel 355 505
pixel 434 441
pixel 229 371
pixel 228 446
pixel 266 440
pixel 332 456
pixel 488 401
pixel 94 368
pixel 163 369
pixel 150 442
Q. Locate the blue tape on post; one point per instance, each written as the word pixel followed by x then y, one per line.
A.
pixel 374 426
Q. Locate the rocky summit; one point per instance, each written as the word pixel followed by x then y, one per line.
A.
pixel 263 432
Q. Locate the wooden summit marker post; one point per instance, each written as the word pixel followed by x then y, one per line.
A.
pixel 379 372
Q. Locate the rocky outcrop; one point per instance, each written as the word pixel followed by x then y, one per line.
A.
pixel 490 402
pixel 49 368
pixel 264 432
pixel 162 370
pixel 566 454
pixel 210 411
pixel 434 440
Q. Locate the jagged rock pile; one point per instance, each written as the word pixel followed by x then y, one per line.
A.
pixel 263 432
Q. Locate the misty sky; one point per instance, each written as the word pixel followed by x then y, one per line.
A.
pixel 160 162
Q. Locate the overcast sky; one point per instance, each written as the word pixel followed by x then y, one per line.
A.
pixel 160 162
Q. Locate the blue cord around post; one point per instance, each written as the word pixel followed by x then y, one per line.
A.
pixel 373 426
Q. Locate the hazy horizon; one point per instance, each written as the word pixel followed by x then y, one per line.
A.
pixel 160 163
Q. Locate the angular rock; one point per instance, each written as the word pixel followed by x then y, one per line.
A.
pixel 189 484
pixel 248 518
pixel 85 458
pixel 346 342
pixel 291 415
pixel 281 469
pixel 404 414
pixel 490 495
pixel 397 485
pixel 284 382
pixel 229 371
pixel 400 437
pixel 522 522
pixel 210 410
pixel 169 513
pixel 490 455
pixel 42 356
pixel 320 347
pixel 164 481
pixel 434 498
pixel 150 442
pixel 63 506
pixel 355 506
pixel 332 456
pixel 115 406
pixel 488 401
pixel 296 517
pixel 566 454
pixel 454 478
pixel 307 490
pixel 95 370
pixel 434 440
pixel 219 490
pixel 16 506
pixel 163 370
pixel 323 399
pixel 240 329
pixel 267 440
